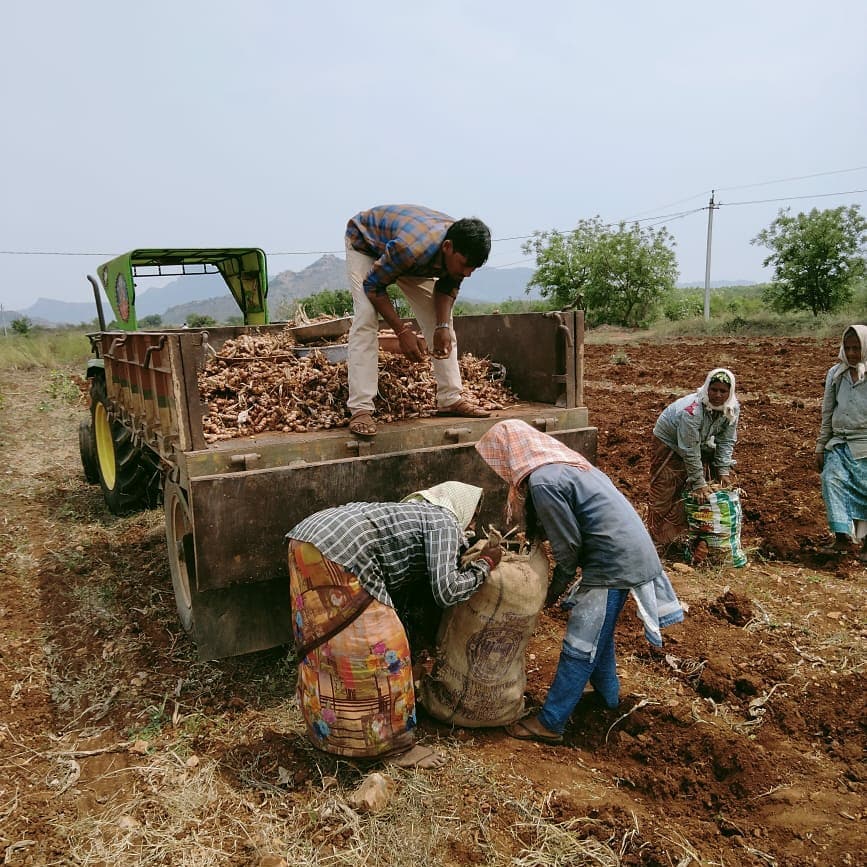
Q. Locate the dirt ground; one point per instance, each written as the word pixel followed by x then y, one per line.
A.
pixel 741 743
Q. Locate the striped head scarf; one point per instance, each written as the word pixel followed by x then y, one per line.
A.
pixel 860 332
pixel 513 449
pixel 460 499
pixel 731 406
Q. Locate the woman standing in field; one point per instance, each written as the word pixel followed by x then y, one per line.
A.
pixel 590 524
pixel 693 441
pixel 355 681
pixel 841 448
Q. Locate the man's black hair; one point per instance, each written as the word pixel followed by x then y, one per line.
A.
pixel 471 238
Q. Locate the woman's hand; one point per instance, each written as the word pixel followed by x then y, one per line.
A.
pixel 702 494
pixel 492 553
pixel 820 461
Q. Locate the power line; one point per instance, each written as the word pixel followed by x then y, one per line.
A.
pixel 746 186
pixel 669 205
pixel 48 253
pixel 658 219
pixel 678 217
pixel 797 178
pixel 792 198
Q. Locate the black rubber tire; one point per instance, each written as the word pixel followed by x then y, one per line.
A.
pixel 181 552
pixel 126 475
pixel 87 450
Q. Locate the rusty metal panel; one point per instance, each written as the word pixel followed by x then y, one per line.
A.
pixel 139 383
pixel 186 375
pixel 530 345
pixel 274 449
pixel 241 602
pixel 241 518
pixel 243 618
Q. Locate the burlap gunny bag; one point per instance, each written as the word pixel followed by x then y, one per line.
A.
pixel 479 673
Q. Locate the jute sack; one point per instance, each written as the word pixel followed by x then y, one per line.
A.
pixel 479 673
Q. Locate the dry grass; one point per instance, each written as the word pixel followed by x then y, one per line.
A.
pixel 170 809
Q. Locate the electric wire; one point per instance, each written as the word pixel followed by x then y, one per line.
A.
pixel 790 198
pixel 653 220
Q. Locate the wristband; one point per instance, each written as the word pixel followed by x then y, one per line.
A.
pixel 406 327
pixel 441 325
pixel 489 561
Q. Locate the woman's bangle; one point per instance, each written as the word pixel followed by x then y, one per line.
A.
pixel 441 325
pixel 406 327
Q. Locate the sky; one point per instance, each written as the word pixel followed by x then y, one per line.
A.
pixel 193 123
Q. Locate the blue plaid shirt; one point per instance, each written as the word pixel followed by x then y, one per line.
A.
pixel 404 240
pixel 389 545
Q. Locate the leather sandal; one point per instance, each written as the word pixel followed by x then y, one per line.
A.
pixel 522 732
pixel 362 424
pixel 464 409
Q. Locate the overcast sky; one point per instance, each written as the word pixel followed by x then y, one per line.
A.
pixel 270 123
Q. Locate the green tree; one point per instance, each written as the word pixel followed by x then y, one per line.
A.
pixel 817 258
pixel 154 320
pixel 618 276
pixel 197 320
pixel 21 325
pixel 329 302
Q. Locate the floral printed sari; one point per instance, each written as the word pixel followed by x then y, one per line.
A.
pixel 355 684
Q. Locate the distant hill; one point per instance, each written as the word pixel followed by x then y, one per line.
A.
pixel 329 272
pixel 47 311
pixel 183 290
pixel 207 295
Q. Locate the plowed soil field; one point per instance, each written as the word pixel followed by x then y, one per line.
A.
pixel 741 743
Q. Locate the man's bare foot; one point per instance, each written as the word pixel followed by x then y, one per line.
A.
pixel 420 757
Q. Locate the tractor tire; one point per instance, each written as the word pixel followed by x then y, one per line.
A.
pixel 182 555
pixel 87 450
pixel 126 475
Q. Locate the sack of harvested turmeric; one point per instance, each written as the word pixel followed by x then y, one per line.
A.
pixel 479 672
pixel 715 527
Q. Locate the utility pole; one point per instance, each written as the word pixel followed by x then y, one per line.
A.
pixel 711 207
pixel 3 320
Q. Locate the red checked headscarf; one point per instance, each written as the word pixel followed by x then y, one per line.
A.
pixel 513 449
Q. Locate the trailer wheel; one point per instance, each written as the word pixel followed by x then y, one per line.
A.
pixel 124 474
pixel 87 450
pixel 182 555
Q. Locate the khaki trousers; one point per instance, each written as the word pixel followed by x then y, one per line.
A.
pixel 364 336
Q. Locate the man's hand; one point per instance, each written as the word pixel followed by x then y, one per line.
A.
pixel 409 344
pixel 725 483
pixel 820 461
pixel 442 343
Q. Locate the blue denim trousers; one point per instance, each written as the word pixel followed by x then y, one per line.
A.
pixel 573 672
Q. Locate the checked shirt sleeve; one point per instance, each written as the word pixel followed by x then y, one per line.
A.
pixel 449 583
pixel 397 260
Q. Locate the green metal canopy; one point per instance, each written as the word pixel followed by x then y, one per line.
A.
pixel 243 268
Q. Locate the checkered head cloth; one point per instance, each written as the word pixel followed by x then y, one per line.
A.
pixel 513 449
pixel 460 499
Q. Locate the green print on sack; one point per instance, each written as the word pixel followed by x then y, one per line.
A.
pixel 718 523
